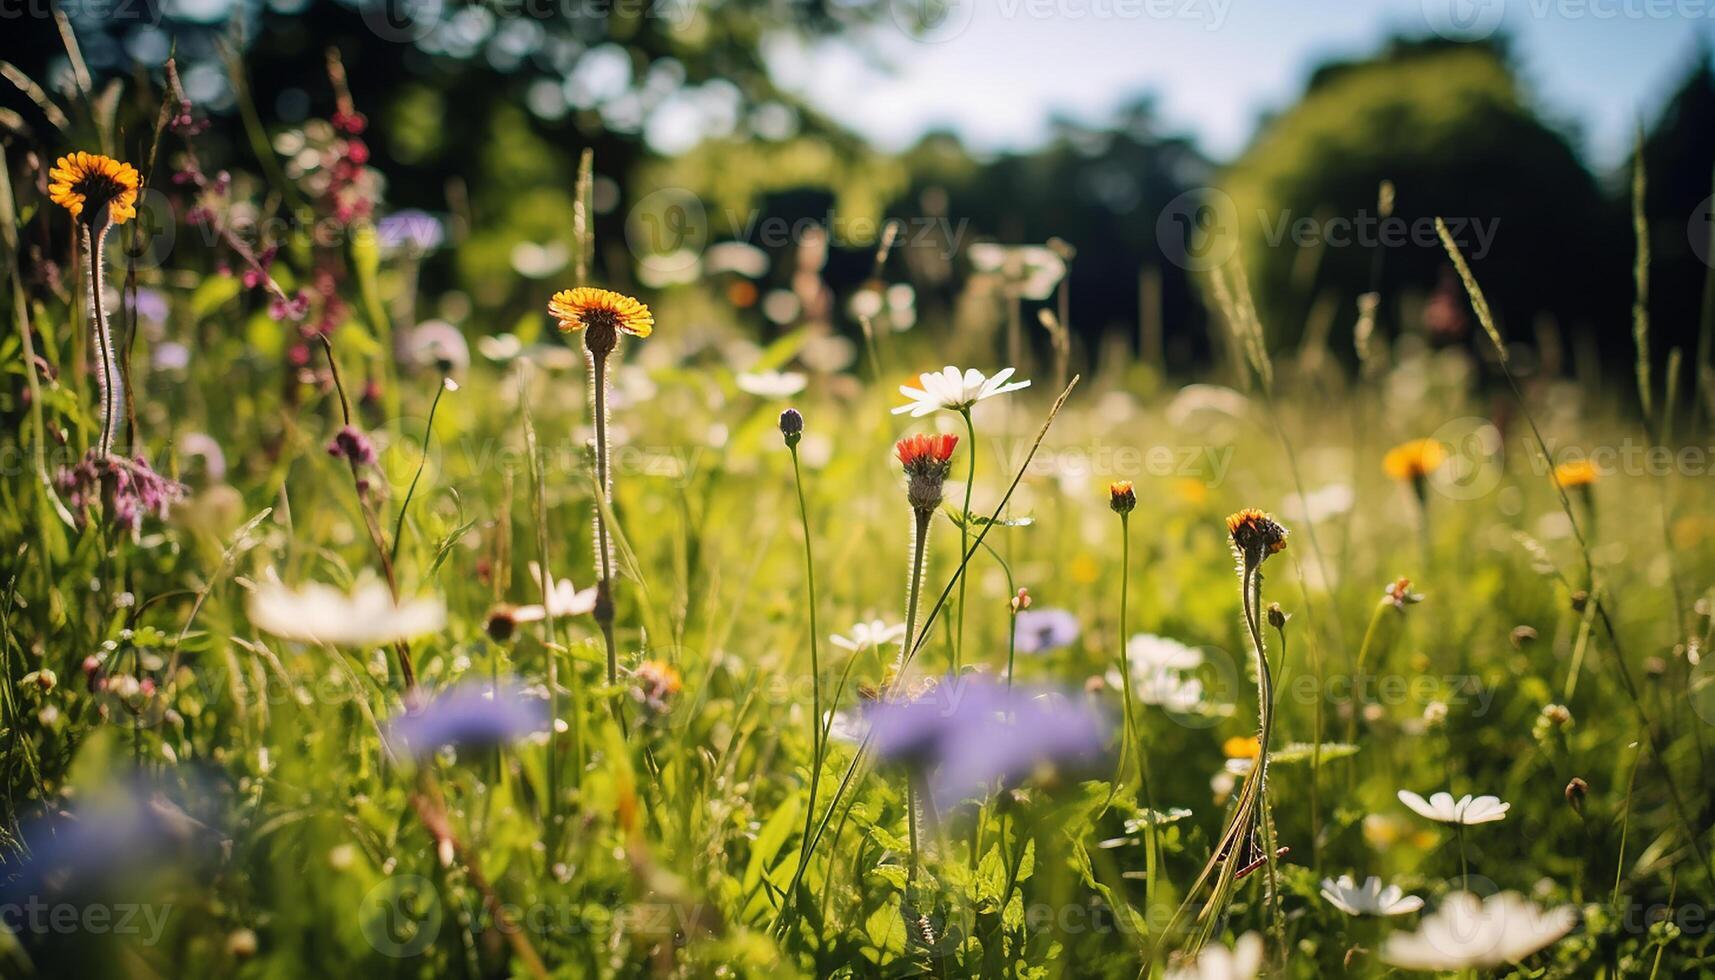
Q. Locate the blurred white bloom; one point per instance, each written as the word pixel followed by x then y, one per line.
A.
pixel 533 261
pixel 500 347
pixel 674 268
pixel 1466 810
pixel 1147 649
pixel 1220 963
pixel 564 599
pixel 1194 399
pixel 737 257
pixel 1157 678
pixel 771 384
pixel 875 633
pixel 949 388
pixel 1467 932
pixel 781 307
pixel 828 353
pixel 817 450
pixel 316 613
pixel 1034 269
pixel 1370 898
pixel 865 304
pixel 435 342
pixel 848 725
pixel 1319 505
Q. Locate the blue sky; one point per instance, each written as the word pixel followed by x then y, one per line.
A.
pixel 995 71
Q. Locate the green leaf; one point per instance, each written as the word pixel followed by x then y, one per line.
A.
pixel 769 840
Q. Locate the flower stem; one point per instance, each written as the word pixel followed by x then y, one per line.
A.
pixel 604 550
pixel 817 744
pixel 965 538
pixel 94 253
pixel 919 546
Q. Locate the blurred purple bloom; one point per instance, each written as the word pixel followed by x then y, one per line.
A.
pixel 967 733
pixel 473 713
pixel 349 443
pixel 171 356
pixel 136 490
pixel 1041 630
pixel 120 827
pixel 415 232
pixel 148 304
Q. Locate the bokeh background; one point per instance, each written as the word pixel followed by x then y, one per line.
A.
pixel 1133 132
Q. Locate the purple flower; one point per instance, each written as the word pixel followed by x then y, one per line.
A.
pixel 148 304
pixel 349 443
pixel 968 733
pixel 131 488
pixel 473 713
pixel 114 830
pixel 1041 630
pixel 412 231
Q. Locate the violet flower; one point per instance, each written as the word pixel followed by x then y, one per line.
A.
pixel 136 490
pixel 469 714
pixel 1042 630
pixel 969 733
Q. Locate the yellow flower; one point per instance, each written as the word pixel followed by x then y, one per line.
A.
pixel 91 179
pixel 1414 460
pixel 1242 747
pixel 588 307
pixel 1576 473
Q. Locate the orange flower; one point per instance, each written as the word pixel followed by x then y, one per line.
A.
pixel 926 450
pixel 1121 497
pixel 1414 460
pixel 1576 473
pixel 1242 747
pixel 1255 534
pixel 91 180
pixel 600 309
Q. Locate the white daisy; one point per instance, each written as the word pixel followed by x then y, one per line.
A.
pixel 1035 269
pixel 875 633
pixel 772 384
pixel 564 599
pixel 1147 649
pixel 847 725
pixel 1157 673
pixel 1466 932
pixel 368 617
pixel 949 388
pixel 1466 810
pixel 1219 963
pixel 1370 899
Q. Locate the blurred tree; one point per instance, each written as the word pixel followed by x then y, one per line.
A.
pixel 1679 162
pixel 1098 188
pixel 479 107
pixel 1448 124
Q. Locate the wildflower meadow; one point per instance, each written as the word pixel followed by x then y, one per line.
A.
pixel 462 582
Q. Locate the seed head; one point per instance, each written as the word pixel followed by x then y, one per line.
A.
pixel 792 426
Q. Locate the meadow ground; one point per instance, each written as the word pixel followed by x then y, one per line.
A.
pixel 286 695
